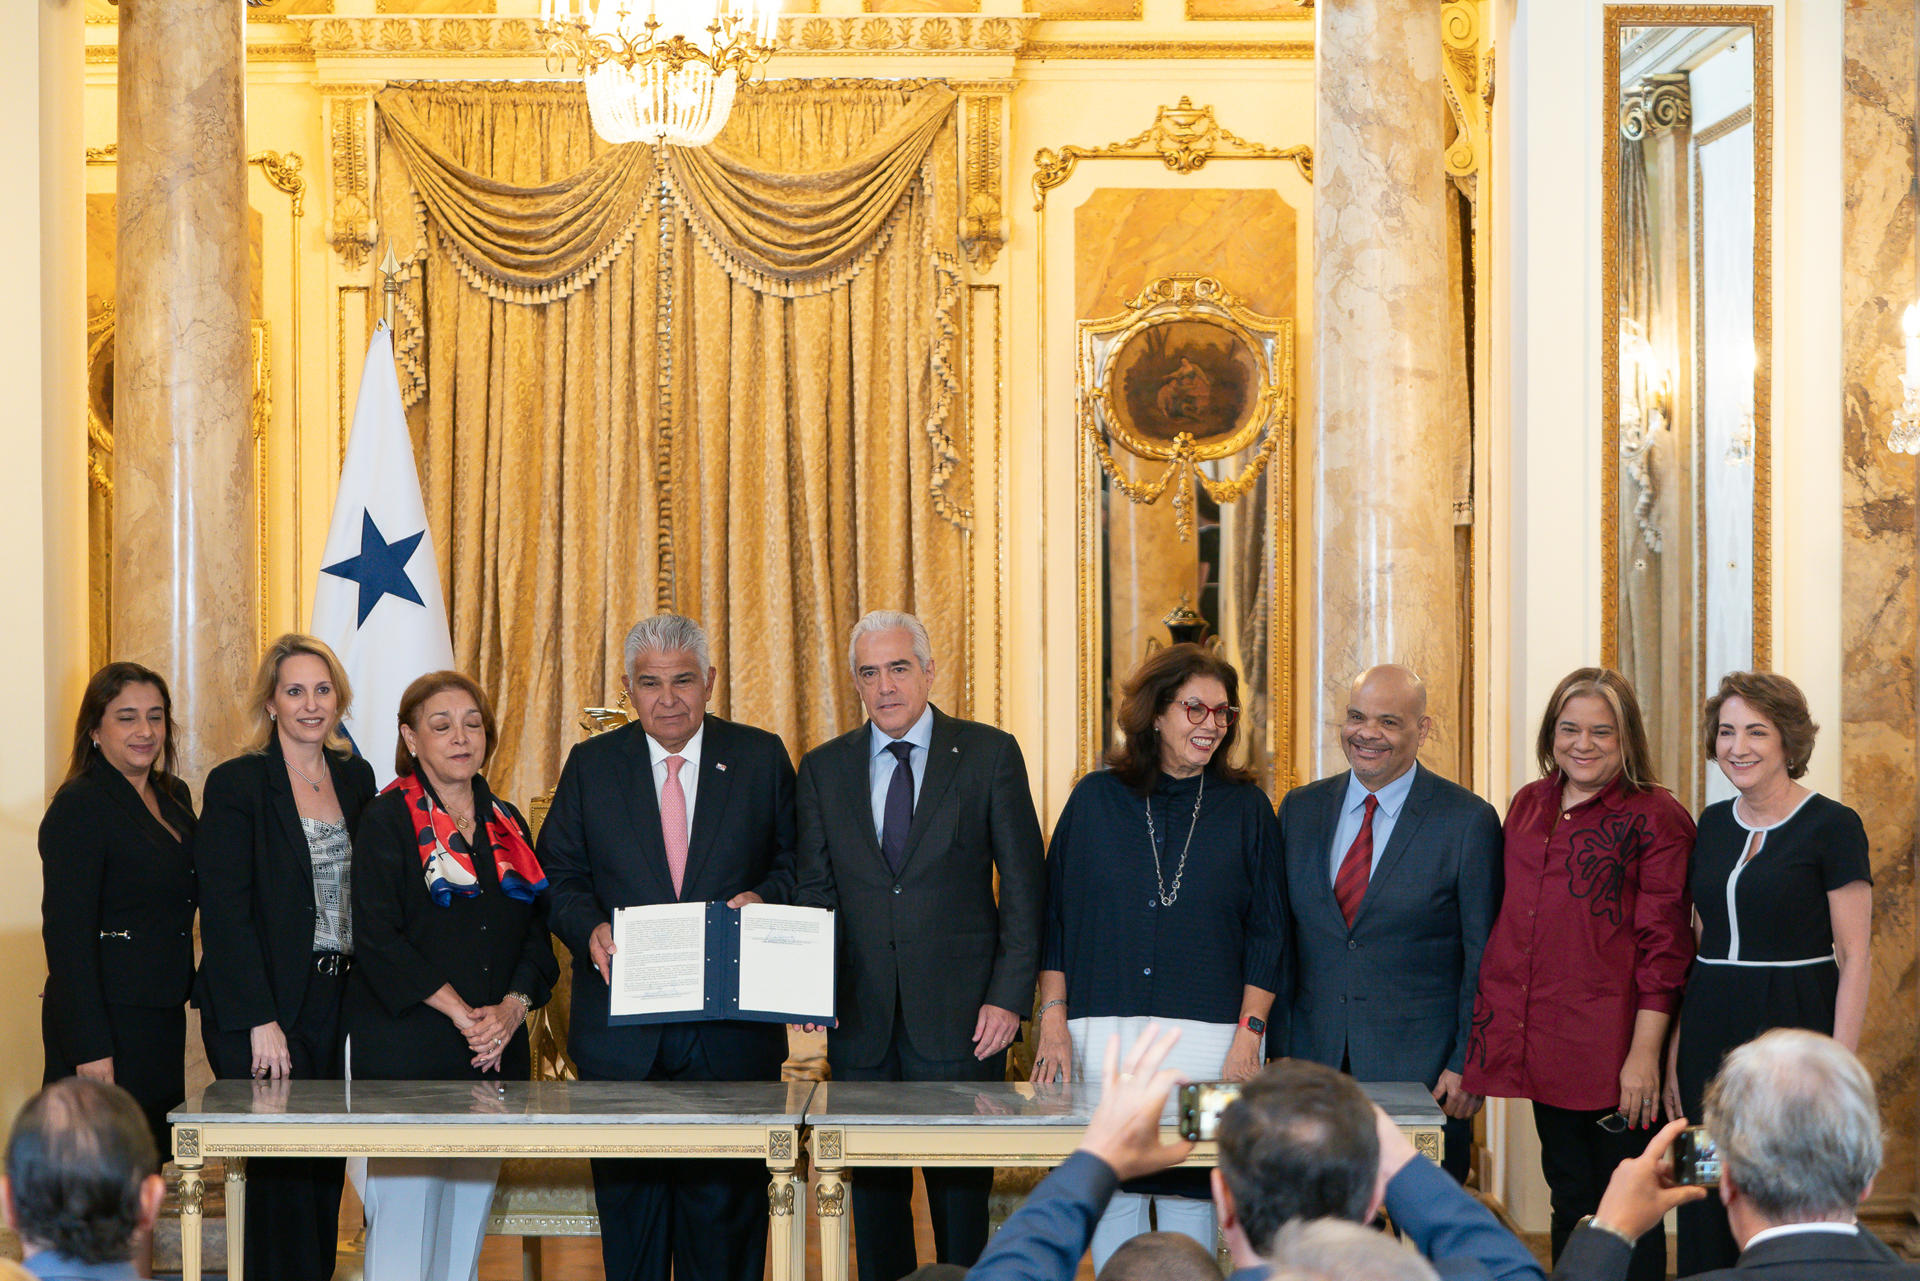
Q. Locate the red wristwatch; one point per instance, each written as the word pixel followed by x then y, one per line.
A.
pixel 1253 1024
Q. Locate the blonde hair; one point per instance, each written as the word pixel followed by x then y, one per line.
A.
pixel 267 679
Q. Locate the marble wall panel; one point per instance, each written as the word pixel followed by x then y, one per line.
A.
pixel 1880 609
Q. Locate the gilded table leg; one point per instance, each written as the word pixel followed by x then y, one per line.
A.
pixel 781 1220
pixel 191 1192
pixel 831 1201
pixel 236 1215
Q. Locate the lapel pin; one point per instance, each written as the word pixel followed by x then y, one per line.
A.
pixel 956 751
pixel 720 765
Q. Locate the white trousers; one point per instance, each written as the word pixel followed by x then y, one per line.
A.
pixel 1199 1054
pixel 427 1216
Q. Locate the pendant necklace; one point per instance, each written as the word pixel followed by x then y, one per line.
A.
pixel 1167 896
pixel 303 775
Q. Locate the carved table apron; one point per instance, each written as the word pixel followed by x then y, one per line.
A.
pixel 895 1123
pixel 235 1120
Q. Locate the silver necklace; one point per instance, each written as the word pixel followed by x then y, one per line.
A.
pixel 303 775
pixel 1168 896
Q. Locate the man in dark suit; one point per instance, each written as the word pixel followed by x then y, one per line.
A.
pixel 1798 1132
pixel 903 823
pixel 1393 880
pixel 681 807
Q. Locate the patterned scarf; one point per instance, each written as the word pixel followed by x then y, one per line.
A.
pixel 448 859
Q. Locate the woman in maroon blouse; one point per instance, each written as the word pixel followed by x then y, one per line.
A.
pixel 1590 950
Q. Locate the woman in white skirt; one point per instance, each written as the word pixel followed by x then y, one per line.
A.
pixel 1166 903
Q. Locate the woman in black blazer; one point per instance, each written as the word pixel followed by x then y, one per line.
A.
pixel 116 909
pixel 276 927
pixel 450 937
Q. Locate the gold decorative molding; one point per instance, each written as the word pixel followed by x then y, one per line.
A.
pixel 1715 132
pixel 1656 104
pixel 982 231
pixel 1053 11
pixel 1162 50
pixel 830 1197
pixel 107 155
pixel 261 419
pixel 109 54
pixel 421 36
pixel 1466 78
pixel 1270 11
pixel 350 227
pixel 1182 137
pixel 282 169
pixel 944 33
pixel 1759 19
pixel 99 429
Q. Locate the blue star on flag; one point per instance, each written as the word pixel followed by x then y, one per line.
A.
pixel 381 567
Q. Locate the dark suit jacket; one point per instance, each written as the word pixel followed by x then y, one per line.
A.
pixel 256 887
pixel 932 938
pixel 116 906
pixel 405 946
pixel 1393 994
pixel 1811 1256
pixel 601 848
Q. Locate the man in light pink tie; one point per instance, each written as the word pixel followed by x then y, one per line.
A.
pixel 678 807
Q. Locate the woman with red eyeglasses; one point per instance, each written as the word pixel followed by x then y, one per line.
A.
pixel 1165 903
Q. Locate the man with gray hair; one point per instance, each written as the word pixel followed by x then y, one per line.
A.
pixel 1797 1127
pixel 904 822
pixel 677 807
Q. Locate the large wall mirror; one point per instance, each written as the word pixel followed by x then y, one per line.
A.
pixel 1686 388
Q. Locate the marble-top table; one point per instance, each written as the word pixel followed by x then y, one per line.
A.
pixel 893 1123
pixel 235 1120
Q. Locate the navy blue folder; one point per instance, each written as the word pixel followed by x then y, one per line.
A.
pixel 722 986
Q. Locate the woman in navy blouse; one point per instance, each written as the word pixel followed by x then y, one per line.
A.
pixel 1165 903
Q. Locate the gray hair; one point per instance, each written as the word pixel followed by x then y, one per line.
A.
pixel 890 620
pixel 1798 1129
pixel 663 634
pixel 1336 1250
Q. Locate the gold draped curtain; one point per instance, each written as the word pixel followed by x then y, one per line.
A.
pixel 724 384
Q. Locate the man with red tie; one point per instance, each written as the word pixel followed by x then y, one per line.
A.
pixel 1393 880
pixel 678 807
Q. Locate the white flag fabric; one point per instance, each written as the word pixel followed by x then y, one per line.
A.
pixel 378 600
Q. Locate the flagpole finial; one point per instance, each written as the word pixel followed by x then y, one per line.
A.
pixel 390 287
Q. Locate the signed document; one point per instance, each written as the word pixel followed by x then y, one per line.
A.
pixel 682 962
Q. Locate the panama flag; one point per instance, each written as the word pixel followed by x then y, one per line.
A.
pixel 378 601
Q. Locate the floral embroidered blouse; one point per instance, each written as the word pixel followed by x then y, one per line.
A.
pixel 1595 926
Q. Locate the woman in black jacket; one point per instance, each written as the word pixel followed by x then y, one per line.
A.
pixel 451 937
pixel 116 909
pixel 274 853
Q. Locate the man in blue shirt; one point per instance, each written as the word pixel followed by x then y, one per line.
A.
pixel 83 1184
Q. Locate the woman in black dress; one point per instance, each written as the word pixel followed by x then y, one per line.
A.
pixel 276 929
pixel 1765 866
pixel 116 848
pixel 450 937
pixel 1166 904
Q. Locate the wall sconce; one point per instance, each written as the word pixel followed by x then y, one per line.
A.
pixel 1904 438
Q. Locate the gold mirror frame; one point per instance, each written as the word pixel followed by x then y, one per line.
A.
pixel 1190 296
pixel 1759 20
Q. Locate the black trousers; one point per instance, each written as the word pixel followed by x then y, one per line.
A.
pixel 1578 1157
pixel 883 1198
pixel 695 1220
pixel 293 1203
pixel 149 1061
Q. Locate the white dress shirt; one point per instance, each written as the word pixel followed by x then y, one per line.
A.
pixel 881 763
pixel 689 772
pixel 1787 1229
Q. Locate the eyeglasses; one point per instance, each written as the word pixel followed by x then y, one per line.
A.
pixel 1223 715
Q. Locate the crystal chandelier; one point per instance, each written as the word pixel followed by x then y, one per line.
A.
pixel 660 70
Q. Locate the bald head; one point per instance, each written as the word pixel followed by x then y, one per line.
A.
pixel 1385 725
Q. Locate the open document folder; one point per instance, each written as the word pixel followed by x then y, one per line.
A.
pixel 682 962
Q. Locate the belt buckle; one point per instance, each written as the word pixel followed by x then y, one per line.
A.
pixel 332 964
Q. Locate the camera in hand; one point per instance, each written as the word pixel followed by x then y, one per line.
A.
pixel 1696 1158
pixel 1200 1106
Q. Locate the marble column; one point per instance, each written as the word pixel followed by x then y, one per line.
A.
pixel 184 546
pixel 1878 563
pixel 1386 413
